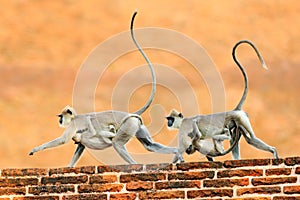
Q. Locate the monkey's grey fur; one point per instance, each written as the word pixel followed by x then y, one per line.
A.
pixel 210 126
pixel 97 129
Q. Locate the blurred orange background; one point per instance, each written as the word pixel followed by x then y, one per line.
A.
pixel 43 43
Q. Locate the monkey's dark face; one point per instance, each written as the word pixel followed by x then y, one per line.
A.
pixel 170 121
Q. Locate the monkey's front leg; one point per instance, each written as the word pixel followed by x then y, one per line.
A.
pixel 78 152
pixel 53 143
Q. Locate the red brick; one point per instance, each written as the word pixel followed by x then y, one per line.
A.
pixel 162 195
pixel 4 198
pixel 273 181
pixel 295 189
pixel 76 170
pixel 286 198
pixel 103 179
pixel 39 190
pixel 142 177
pixel 159 167
pixel 85 197
pixel 258 190
pixel 191 175
pixel 245 163
pixel 277 161
pixel 14 182
pixel 292 161
pixel 140 185
pixel 297 170
pixel 209 193
pixel 12 191
pixel 37 198
pixel 177 184
pixel 251 198
pixel 24 172
pixel 240 173
pixel 64 180
pixel 198 165
pixel 278 171
pixel 226 182
pixel 120 168
pixel 108 187
pixel 123 196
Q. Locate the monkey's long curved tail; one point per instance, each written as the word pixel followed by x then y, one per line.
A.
pixel 240 104
pixel 153 91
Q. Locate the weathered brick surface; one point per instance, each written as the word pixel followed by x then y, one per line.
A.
pixel 13 190
pixel 246 163
pixel 198 165
pixel 64 180
pixel 292 161
pixel 103 179
pixel 191 175
pixel 258 190
pixel 15 182
pixel 37 198
pixel 140 185
pixel 258 179
pixel 162 195
pixel 76 170
pixel 47 189
pixel 209 193
pixel 123 196
pixel 177 184
pixel 273 181
pixel 279 171
pixel 295 189
pixel 85 197
pixel 24 172
pixel 239 173
pixel 159 167
pixel 108 187
pixel 120 168
pixel 226 182
pixel 142 177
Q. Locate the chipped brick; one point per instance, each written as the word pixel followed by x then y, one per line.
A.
pixel 191 175
pixel 161 195
pixel 198 165
pixel 246 163
pixel 226 182
pixel 123 196
pixel 273 181
pixel 258 190
pixel 290 161
pixel 140 185
pixel 295 189
pixel 64 180
pixel 240 173
pixel 85 197
pixel 76 170
pixel 24 172
pixel 177 184
pixel 103 179
pixel 210 193
pixel 142 177
pixel 278 171
pixel 108 187
pixel 39 190
pixel 120 168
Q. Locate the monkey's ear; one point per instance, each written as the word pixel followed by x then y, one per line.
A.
pixel 180 115
pixel 69 111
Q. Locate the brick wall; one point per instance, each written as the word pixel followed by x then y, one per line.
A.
pixel 263 179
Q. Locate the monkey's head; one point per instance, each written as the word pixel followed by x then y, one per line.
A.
pixel 66 116
pixel 174 119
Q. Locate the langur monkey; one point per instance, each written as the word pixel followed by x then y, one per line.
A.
pixel 212 125
pixel 101 130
